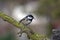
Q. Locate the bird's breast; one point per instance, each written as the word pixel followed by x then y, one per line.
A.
pixel 25 22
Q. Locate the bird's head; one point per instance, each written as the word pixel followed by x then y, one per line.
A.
pixel 30 17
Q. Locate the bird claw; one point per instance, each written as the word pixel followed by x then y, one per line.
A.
pixel 19 33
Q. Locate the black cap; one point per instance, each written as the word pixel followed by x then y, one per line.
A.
pixel 30 16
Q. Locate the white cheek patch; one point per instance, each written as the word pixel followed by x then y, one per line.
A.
pixel 29 17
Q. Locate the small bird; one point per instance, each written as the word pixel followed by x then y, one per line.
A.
pixel 27 20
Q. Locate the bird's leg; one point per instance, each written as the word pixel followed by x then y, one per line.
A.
pixel 20 33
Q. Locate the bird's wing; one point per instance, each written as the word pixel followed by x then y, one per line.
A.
pixel 22 19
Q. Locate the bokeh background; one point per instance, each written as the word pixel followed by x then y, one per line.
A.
pixel 46 13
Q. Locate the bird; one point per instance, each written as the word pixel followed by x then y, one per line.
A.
pixel 27 20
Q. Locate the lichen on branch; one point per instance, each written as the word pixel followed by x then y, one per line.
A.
pixel 11 20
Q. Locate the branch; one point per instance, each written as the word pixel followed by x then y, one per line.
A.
pixel 27 30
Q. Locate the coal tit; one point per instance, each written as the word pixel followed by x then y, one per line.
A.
pixel 27 20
